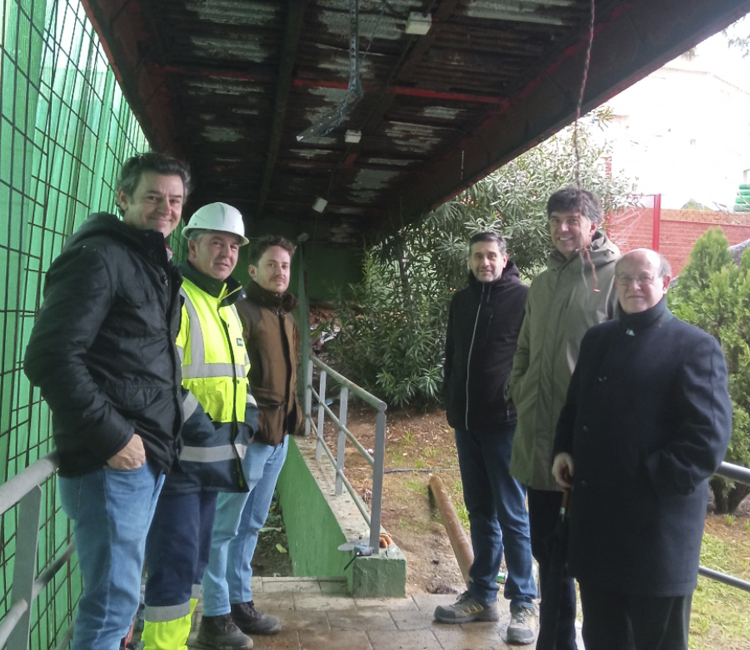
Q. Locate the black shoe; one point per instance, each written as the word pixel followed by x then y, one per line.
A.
pixel 220 633
pixel 251 621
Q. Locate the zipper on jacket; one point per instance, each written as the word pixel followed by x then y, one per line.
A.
pixel 468 360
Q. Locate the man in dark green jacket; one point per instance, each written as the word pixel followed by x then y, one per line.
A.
pixel 572 294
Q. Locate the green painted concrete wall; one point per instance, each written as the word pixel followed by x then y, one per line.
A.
pixel 318 522
pixel 311 526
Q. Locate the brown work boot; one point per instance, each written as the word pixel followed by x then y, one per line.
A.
pixel 220 633
pixel 251 621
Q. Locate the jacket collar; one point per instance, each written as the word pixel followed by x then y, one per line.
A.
pixel 229 291
pixel 149 242
pixel 510 276
pixel 601 251
pixel 265 298
pixel 633 323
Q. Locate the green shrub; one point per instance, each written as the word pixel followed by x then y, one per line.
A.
pixel 714 293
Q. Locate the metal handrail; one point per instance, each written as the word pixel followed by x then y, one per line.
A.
pixel 740 475
pixel 24 490
pixel 376 460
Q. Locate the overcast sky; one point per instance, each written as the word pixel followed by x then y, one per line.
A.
pixel 724 61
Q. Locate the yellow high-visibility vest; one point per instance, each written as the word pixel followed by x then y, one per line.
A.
pixel 214 358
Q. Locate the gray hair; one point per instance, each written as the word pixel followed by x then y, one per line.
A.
pixel 488 236
pixel 196 234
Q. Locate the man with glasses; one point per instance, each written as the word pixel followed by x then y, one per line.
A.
pixel 646 422
pixel 572 294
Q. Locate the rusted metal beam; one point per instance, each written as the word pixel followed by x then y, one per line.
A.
pixel 404 90
pixel 136 80
pixel 442 13
pixel 292 32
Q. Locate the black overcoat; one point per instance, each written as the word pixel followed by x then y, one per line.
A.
pixel 647 421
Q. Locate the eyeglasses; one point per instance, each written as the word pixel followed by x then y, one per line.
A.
pixel 627 280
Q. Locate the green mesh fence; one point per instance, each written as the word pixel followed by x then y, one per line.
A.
pixel 65 128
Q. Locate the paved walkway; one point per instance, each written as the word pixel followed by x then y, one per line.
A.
pixel 317 614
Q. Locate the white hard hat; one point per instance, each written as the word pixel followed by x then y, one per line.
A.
pixel 218 217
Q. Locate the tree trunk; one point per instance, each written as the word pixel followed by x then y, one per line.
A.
pixel 726 503
pixel 736 496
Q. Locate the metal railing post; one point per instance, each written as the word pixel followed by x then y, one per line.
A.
pixel 304 321
pixel 377 481
pixel 321 415
pixel 24 567
pixel 308 396
pixel 371 513
pixel 341 450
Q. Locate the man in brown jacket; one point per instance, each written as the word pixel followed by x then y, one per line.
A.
pixel 272 340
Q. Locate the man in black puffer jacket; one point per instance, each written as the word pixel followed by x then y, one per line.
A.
pixel 103 354
pixel 483 326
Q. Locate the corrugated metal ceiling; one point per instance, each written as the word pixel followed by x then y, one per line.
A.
pixel 229 84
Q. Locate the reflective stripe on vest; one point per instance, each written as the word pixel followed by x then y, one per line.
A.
pixel 189 404
pixel 198 368
pixel 166 613
pixel 212 454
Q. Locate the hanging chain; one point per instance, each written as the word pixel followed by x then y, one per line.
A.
pixel 580 96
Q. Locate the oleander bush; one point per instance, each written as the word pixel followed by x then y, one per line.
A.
pixel 393 323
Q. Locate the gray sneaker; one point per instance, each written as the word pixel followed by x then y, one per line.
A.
pixel 522 626
pixel 465 610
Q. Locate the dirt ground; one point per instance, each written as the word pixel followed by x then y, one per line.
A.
pixel 271 558
pixel 417 444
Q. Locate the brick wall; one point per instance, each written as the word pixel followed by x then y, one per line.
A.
pixel 678 230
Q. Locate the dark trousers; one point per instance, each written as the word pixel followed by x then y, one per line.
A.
pixel 499 522
pixel 544 508
pixel 177 549
pixel 617 621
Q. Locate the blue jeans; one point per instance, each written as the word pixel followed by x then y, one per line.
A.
pixel 498 519
pixel 239 517
pixel 111 511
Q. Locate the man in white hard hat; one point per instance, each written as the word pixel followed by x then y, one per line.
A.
pixel 220 420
